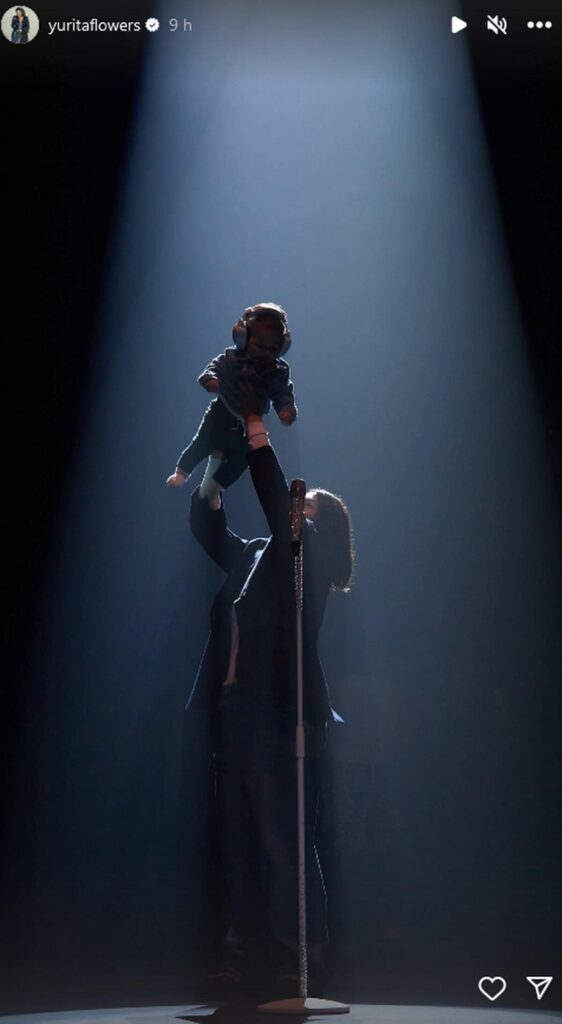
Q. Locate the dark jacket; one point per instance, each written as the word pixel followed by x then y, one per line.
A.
pixel 272 384
pixel 265 604
pixel 20 29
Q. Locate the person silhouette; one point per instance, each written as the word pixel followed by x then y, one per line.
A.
pixel 244 697
pixel 20 26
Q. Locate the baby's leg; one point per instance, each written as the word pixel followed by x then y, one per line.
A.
pixel 210 488
pixel 236 461
pixel 205 440
pixel 226 445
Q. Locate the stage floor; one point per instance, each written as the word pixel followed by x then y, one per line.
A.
pixel 244 1013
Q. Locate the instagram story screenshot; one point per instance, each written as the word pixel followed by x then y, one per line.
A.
pixel 281 650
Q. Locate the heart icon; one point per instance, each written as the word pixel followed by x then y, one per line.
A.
pixel 492 988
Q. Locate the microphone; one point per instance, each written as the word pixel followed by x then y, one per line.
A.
pixel 296 515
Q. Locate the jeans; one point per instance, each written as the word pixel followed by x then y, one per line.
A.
pixel 218 429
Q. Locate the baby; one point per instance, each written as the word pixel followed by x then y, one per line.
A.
pixel 261 336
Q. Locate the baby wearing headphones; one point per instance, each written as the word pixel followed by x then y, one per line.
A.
pixel 261 336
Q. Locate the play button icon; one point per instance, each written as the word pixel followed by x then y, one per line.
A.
pixel 457 24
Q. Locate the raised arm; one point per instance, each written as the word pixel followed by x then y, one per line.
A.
pixel 267 476
pixel 210 530
pixel 269 480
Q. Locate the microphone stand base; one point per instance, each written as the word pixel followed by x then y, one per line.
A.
pixel 304 1005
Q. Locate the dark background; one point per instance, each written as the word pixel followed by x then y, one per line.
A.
pixel 65 138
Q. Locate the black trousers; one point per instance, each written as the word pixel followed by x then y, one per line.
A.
pixel 256 799
pixel 218 429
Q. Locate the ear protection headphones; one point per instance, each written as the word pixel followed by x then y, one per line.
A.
pixel 263 310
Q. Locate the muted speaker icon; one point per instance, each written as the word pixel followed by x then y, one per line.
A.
pixel 496 24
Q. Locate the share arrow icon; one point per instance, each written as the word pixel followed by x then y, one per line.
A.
pixel 540 985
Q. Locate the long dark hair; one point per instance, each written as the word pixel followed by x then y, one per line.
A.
pixel 334 518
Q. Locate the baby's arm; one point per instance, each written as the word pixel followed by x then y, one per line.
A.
pixel 177 478
pixel 210 378
pixel 283 397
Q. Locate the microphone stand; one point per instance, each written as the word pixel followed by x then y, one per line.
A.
pixel 303 1004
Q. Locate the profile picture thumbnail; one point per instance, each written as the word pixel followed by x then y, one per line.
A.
pixel 20 25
